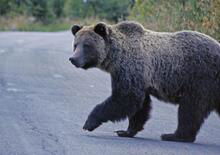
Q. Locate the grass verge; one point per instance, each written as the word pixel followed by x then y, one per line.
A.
pixel 24 23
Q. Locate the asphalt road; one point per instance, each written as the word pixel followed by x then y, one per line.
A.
pixel 44 102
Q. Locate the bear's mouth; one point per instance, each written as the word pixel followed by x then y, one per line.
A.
pixel 90 64
pixel 80 63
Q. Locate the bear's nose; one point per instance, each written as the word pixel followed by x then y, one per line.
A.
pixel 71 59
pixel 75 62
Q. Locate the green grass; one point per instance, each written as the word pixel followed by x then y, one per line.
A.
pixel 24 23
pixel 44 27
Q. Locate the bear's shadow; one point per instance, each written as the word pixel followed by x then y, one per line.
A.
pixel 153 142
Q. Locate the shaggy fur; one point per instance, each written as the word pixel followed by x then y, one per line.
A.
pixel 181 68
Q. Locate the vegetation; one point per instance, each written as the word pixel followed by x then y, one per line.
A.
pixel 159 15
pixel 172 15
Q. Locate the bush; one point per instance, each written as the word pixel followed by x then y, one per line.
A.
pixel 74 9
pixel 38 9
pixel 56 7
pixel 160 15
pixel 172 15
pixel 112 10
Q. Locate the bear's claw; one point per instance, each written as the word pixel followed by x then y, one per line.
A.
pixel 122 133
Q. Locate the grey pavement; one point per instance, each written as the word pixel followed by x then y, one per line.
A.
pixel 44 102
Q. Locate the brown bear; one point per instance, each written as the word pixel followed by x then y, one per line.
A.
pixel 181 68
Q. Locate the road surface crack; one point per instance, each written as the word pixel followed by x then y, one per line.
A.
pixel 49 142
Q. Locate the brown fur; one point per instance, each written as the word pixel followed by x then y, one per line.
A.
pixel 181 68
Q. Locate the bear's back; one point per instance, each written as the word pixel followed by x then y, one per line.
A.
pixel 198 43
pixel 130 28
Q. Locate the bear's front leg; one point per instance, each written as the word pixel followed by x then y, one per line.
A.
pixel 136 122
pixel 115 108
pixel 91 123
pixel 97 116
pixel 127 98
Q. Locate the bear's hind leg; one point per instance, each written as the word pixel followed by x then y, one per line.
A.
pixel 137 121
pixel 190 119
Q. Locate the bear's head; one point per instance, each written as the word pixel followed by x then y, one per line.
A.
pixel 89 45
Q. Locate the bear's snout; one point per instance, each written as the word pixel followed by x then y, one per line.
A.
pixel 76 62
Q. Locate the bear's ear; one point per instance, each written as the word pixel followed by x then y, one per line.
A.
pixel 101 29
pixel 75 29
